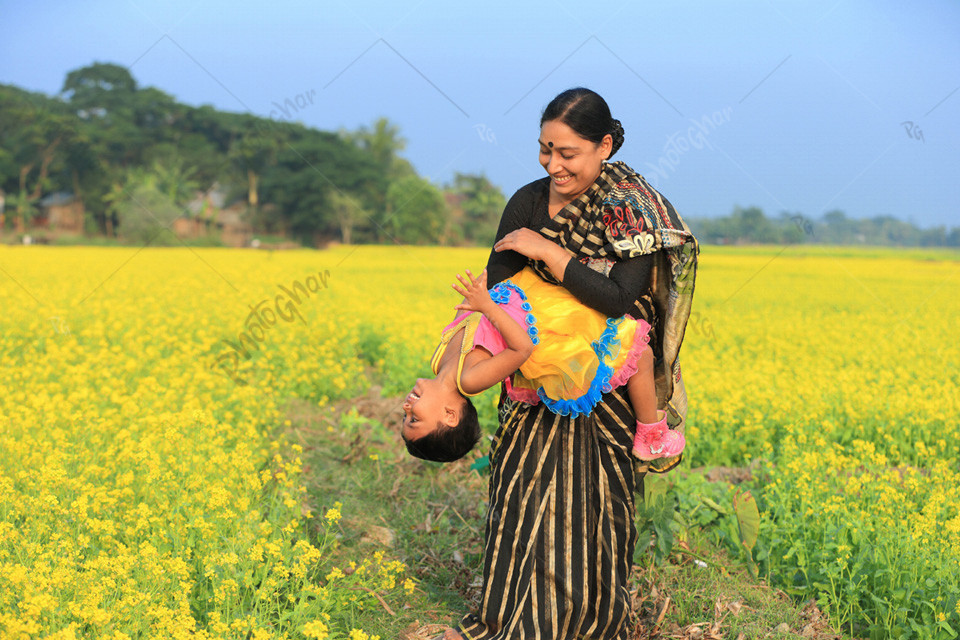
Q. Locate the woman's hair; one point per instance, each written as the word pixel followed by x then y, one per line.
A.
pixel 587 114
pixel 447 444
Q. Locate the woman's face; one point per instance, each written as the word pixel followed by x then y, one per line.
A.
pixel 572 162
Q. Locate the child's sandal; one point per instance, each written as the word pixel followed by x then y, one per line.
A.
pixel 657 440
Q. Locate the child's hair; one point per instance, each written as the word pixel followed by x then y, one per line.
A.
pixel 447 444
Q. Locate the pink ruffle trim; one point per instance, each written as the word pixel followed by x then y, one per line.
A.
pixel 641 338
pixel 521 395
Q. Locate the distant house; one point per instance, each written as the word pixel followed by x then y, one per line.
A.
pixel 61 211
pixel 206 203
pixel 234 231
pixel 184 227
pixel 207 215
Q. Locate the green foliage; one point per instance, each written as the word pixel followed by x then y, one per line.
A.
pixel 147 213
pixel 310 184
pixel 748 521
pixel 657 519
pixel 415 211
pixel 873 583
pixel 307 174
pixel 482 204
pixel 751 226
pixel 348 212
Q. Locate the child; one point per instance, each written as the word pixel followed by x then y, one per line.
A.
pixel 581 354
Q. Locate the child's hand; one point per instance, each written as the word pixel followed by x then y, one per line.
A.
pixel 475 294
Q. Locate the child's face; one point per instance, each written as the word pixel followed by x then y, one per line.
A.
pixel 426 405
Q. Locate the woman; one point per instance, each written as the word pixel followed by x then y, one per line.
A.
pixel 560 529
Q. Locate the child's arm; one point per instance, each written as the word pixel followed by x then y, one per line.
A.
pixel 482 370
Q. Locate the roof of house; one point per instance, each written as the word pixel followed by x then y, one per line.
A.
pixel 56 199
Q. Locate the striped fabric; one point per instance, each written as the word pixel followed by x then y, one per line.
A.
pixel 560 529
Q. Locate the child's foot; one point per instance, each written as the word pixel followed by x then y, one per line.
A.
pixel 656 440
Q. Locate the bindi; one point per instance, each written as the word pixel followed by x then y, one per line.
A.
pixel 550 144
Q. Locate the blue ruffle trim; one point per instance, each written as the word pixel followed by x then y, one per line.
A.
pixel 604 348
pixel 500 293
pixel 607 348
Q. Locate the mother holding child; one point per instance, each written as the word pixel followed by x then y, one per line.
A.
pixel 591 281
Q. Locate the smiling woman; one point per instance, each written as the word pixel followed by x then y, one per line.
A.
pixel 560 528
pixel 572 162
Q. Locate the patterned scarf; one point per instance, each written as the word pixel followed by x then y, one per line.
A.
pixel 621 216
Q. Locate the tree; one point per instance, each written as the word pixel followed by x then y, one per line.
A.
pixel 100 87
pixel 35 129
pixel 415 211
pixel 308 170
pixel 348 212
pixel 145 212
pixel 750 224
pixel 381 144
pixel 107 95
pixel 175 180
pixel 482 204
pixel 251 151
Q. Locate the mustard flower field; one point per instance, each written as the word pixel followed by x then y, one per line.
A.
pixel 147 488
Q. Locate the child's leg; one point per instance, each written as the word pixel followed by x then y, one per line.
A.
pixel 653 439
pixel 641 389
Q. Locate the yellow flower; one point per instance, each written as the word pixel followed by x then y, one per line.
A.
pixel 316 630
pixel 333 515
pixel 334 574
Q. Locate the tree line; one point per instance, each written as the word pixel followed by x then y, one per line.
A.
pixel 750 225
pixel 135 157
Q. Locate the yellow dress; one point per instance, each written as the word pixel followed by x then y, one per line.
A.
pixel 580 353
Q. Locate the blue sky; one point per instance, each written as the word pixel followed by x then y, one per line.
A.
pixel 789 106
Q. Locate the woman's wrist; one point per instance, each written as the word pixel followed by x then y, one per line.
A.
pixel 557 258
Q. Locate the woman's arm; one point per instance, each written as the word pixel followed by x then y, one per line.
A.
pixel 481 370
pixel 614 295
pixel 516 215
pixel 517 243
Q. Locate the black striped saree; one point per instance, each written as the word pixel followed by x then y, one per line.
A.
pixel 560 529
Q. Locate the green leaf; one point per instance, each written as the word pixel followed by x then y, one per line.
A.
pixel 654 488
pixel 713 505
pixel 748 517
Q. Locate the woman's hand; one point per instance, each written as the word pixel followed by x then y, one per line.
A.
pixel 476 297
pixel 534 246
pixel 527 242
